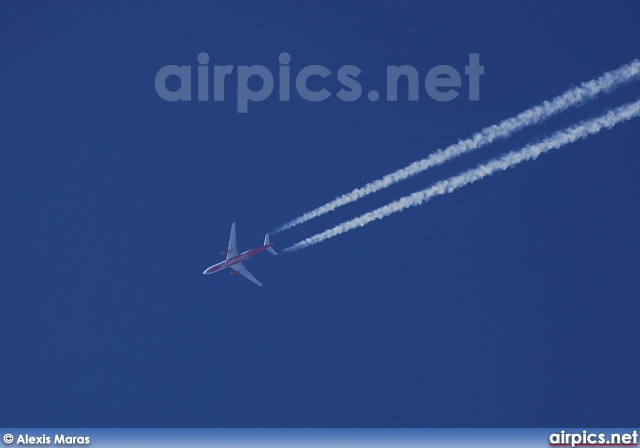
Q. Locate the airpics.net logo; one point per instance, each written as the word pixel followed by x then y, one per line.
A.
pixel 588 438
pixel 255 83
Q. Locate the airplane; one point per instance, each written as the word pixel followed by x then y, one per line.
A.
pixel 234 259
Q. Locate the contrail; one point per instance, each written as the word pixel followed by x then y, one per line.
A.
pixel 508 160
pixel 572 97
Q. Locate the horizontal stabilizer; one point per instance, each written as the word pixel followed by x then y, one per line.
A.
pixel 267 243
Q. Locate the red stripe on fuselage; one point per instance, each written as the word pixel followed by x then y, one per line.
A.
pixel 235 260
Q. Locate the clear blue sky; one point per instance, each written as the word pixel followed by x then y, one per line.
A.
pixel 512 302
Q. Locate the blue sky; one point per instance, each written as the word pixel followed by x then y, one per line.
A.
pixel 511 303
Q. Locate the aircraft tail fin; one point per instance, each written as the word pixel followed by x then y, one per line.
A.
pixel 267 243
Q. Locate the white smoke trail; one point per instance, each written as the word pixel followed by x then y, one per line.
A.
pixel 572 97
pixel 508 160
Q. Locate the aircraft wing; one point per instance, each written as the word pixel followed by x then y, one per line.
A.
pixel 232 250
pixel 240 269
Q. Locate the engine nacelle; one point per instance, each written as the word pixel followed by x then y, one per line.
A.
pixel 223 252
pixel 233 273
